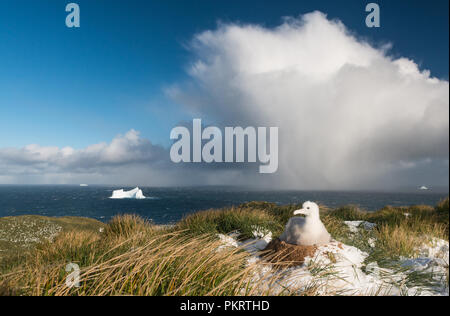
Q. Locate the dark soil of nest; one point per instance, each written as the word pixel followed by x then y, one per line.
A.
pixel 280 252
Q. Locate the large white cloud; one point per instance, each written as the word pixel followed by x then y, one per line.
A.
pixel 350 116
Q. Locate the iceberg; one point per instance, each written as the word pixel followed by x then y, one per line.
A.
pixel 423 188
pixel 132 194
pixel 84 185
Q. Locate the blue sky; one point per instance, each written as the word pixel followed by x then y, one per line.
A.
pixel 76 87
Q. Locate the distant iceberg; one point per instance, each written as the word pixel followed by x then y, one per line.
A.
pixel 84 185
pixel 132 194
pixel 423 188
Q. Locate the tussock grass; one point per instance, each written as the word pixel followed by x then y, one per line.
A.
pixel 337 229
pixel 67 247
pixel 349 213
pixel 131 256
pixel 243 219
pixel 442 210
pixel 166 265
pixel 128 225
pixel 396 241
pixel 399 230
pixel 145 261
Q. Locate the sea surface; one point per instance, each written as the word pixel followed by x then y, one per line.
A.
pixel 169 205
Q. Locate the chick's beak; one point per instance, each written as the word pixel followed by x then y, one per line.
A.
pixel 300 212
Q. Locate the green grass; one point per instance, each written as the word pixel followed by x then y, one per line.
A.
pixel 243 219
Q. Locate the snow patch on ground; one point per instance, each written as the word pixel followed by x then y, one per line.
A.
pixel 339 269
pixel 227 242
pixel 372 242
pixel 354 226
pixel 433 259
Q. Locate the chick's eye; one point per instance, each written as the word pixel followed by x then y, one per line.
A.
pixel 308 207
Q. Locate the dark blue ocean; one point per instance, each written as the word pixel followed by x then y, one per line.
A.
pixel 168 205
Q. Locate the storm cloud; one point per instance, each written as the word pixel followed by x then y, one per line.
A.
pixel 350 116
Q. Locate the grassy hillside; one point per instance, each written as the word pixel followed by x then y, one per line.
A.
pixel 20 234
pixel 130 256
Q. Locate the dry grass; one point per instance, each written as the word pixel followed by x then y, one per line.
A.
pixel 146 261
pixel 396 241
pixel 399 231
pixel 134 257
pixel 128 225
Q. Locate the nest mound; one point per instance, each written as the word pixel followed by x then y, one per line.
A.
pixel 280 252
